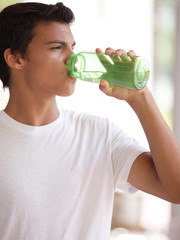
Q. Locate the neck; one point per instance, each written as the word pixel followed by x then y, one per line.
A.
pixel 32 110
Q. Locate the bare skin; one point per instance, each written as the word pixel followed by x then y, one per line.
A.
pixel 156 172
pixel 41 75
pixel 37 78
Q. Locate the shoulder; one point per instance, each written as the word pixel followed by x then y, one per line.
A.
pixel 97 125
pixel 84 118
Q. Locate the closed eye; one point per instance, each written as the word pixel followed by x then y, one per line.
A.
pixel 57 47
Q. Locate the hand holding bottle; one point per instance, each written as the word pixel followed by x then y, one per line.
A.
pixel 114 91
pixel 116 67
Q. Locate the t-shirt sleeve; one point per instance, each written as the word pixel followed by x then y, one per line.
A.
pixel 125 150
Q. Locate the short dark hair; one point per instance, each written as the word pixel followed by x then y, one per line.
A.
pixel 17 23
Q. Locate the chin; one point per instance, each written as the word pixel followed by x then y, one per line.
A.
pixel 68 93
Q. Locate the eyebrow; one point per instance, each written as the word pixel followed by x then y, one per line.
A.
pixel 59 42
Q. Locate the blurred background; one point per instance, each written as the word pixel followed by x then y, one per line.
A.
pixel 151 29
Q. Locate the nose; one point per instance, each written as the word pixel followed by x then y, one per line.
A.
pixel 70 52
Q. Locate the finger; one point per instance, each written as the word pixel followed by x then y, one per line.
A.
pixel 131 53
pixel 126 58
pixel 104 87
pixel 105 61
pixel 120 52
pixel 115 59
pixel 99 50
pixel 109 51
pixel 122 55
pixel 115 55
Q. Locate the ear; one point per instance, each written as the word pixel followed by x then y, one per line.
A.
pixel 14 60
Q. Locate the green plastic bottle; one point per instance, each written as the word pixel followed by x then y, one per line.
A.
pixel 124 71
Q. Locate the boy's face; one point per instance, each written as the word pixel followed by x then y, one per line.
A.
pixel 45 70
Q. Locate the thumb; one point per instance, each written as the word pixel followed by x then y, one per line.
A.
pixel 104 87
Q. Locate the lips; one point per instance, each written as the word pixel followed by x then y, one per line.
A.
pixel 72 78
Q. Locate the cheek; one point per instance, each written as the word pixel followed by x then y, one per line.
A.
pixel 53 65
pixel 45 69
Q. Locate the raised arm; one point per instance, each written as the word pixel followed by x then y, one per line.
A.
pixel 157 172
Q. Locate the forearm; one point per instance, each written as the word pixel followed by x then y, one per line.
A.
pixel 164 148
pixel 158 172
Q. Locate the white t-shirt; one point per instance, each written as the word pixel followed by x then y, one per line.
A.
pixel 57 181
